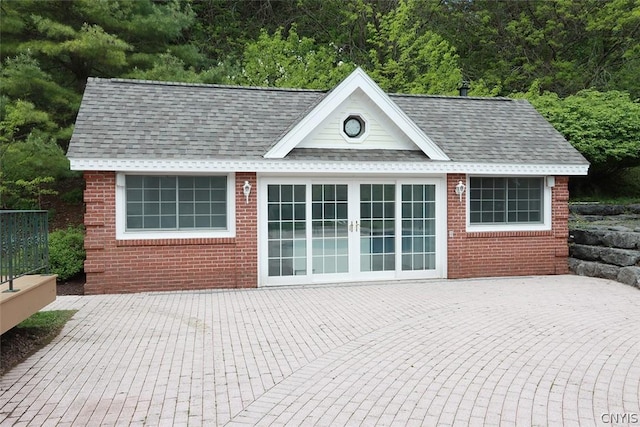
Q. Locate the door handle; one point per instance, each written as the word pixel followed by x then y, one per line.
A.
pixel 357 226
pixel 351 226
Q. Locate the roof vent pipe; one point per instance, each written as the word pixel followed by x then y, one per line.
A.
pixel 464 88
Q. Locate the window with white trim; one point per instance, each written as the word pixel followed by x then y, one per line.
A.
pixel 506 200
pixel 176 203
pixel 180 206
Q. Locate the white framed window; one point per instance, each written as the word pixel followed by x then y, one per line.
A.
pixel 154 206
pixel 498 203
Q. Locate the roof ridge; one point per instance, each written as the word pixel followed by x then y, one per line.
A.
pixel 208 85
pixel 283 89
pixel 462 98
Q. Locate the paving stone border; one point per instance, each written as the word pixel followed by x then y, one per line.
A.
pixel 604 241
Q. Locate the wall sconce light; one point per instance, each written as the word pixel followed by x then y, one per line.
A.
pixel 246 189
pixel 460 189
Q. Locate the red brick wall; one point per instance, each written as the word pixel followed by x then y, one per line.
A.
pixel 114 266
pixel 485 254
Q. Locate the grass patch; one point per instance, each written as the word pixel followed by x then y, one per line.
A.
pixel 32 334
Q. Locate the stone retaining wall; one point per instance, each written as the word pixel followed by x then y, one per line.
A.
pixel 604 241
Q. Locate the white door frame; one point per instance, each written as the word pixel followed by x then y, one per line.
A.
pixel 352 182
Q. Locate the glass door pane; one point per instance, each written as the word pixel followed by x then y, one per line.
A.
pixel 286 224
pixel 330 233
pixel 377 227
pixel 418 227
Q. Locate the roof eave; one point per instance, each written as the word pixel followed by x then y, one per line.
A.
pixel 284 166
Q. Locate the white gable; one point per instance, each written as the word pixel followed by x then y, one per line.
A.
pixel 380 132
pixel 387 126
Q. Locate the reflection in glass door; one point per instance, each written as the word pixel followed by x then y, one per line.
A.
pixel 330 234
pixel 330 230
pixel 377 227
pixel 286 225
pixel 418 227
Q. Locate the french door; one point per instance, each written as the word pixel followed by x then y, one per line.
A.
pixel 330 230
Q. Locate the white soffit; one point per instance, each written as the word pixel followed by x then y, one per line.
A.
pixel 358 79
pixel 283 167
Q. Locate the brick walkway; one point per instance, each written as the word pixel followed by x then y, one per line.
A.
pixel 519 351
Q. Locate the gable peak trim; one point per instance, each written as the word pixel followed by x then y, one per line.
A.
pixel 357 80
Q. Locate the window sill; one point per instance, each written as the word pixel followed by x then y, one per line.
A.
pixel 498 228
pixel 177 241
pixel 203 234
pixel 511 233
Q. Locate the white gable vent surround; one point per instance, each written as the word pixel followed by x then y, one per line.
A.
pixel 354 128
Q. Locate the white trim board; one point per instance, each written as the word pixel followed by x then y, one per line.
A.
pixel 295 166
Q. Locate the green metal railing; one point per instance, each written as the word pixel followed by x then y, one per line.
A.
pixel 24 244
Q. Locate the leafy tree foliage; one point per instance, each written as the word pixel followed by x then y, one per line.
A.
pixel 48 50
pixel 406 58
pixel 27 171
pixel 33 102
pixel 603 126
pixel 291 61
pixel 31 139
pixel 567 45
pixel 83 38
pixel 584 55
pixel 166 68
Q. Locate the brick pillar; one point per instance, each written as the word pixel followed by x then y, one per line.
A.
pixel 246 232
pixel 456 226
pixel 99 222
pixel 560 223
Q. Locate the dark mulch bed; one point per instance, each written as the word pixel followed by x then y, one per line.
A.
pixel 15 346
pixel 71 287
pixel 74 286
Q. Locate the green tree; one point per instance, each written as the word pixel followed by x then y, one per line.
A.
pixel 167 68
pixel 31 100
pixel 48 51
pixel 407 58
pixel 567 45
pixel 291 61
pixel 28 170
pixel 603 126
pixel 31 157
pixel 83 38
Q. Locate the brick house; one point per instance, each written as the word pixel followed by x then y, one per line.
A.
pixel 192 186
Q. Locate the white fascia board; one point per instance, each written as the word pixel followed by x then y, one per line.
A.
pixel 300 166
pixel 358 79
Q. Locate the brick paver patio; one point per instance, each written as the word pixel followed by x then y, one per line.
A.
pixel 518 351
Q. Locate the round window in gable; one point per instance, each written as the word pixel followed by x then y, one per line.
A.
pixel 353 126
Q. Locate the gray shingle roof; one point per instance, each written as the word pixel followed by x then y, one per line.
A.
pixel 121 119
pixel 488 130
